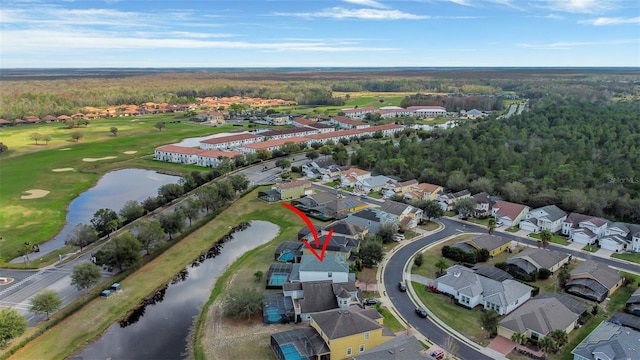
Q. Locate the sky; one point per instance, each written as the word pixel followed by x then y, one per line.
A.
pixel 318 33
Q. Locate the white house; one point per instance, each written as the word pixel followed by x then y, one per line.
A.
pixel 584 229
pixel 620 237
pixel 549 217
pixel 333 268
pixel 229 141
pixel 351 176
pixel 346 123
pixel 372 184
pixel 471 290
pixel 177 154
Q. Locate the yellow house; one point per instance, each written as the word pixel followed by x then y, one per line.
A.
pixel 494 244
pixel 294 189
pixel 350 331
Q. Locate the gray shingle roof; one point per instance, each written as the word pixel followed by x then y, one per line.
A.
pixel 489 242
pixel 318 296
pixel 602 273
pixel 538 258
pixel 400 348
pixel 344 322
pixel 553 212
pixel 330 263
pixel 617 342
pixel 393 207
pixel 368 214
pixel 541 315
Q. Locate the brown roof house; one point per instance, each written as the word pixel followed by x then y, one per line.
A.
pixel 594 281
pixel 510 214
pixel 494 244
pixel 584 229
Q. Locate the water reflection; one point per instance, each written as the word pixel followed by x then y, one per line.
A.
pixel 160 329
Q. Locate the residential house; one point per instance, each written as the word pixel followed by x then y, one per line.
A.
pixel 351 176
pixel 449 200
pixel 286 191
pixel 609 341
pixel 470 290
pixel 277 120
pixel 620 237
pixel 625 319
pixel 314 296
pixel 4 122
pixel 294 189
pixel 538 317
pixel 287 133
pixel 352 331
pixel 424 191
pixel 346 123
pixel 402 347
pixel 213 158
pixel 338 245
pixel 549 217
pixel 633 304
pixel 404 214
pixel 347 229
pixel 333 268
pixel 272 145
pixel 428 111
pixel 594 281
pixel 187 155
pixel 483 205
pixel 473 114
pixel 372 184
pixel 312 170
pixel 584 229
pixel 510 214
pixel 326 206
pixel 534 259
pixel 372 219
pixel 494 244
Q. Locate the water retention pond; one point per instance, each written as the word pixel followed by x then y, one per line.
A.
pixel 159 327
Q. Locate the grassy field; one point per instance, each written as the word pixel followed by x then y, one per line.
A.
pixel 29 166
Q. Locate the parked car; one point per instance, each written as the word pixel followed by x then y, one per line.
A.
pixel 371 301
pixel 421 312
pixel 363 197
pixel 437 354
pixel 401 286
pixel 499 223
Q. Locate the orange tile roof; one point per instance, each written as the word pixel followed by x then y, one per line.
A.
pixel 230 138
pixel 276 142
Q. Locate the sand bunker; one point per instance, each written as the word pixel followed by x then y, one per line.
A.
pixel 130 152
pixel 35 194
pixel 63 169
pixel 98 159
pixel 65 149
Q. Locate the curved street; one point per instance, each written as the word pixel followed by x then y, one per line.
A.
pixel 392 271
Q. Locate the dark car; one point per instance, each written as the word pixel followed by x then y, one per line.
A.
pixel 402 286
pixel 421 312
pixel 371 301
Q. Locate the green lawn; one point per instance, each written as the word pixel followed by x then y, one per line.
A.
pixel 390 321
pixel 28 166
pixel 591 248
pixel 628 257
pixel 429 226
pixel 556 239
pixel 461 319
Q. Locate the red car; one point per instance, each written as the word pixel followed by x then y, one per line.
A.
pixel 437 354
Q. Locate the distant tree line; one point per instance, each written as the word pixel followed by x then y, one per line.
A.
pixel 455 103
pixel 581 156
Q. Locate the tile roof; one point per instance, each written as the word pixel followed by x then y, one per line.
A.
pixel 276 142
pixel 229 138
pixel 347 121
pixel 294 184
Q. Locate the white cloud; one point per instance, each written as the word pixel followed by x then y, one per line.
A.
pixel 582 6
pixel 28 41
pixel 364 14
pixel 369 3
pixel 462 2
pixel 567 45
pixel 611 21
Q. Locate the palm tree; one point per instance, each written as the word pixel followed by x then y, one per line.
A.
pixel 545 237
pixel 547 344
pixel 560 336
pixel 441 264
pixel 519 338
pixel 491 225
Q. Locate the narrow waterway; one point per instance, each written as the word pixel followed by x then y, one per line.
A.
pixel 159 329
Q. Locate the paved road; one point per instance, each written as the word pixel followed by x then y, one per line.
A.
pixel 393 274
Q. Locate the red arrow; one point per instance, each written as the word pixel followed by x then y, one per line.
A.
pixel 313 232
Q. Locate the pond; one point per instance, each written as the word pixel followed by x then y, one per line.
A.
pixel 159 329
pixel 112 191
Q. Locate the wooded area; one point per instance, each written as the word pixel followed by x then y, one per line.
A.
pixel 579 155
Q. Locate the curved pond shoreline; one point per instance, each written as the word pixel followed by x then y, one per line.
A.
pixel 159 328
pixel 112 190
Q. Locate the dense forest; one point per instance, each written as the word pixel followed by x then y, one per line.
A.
pixel 580 155
pixel 455 103
pixel 24 93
